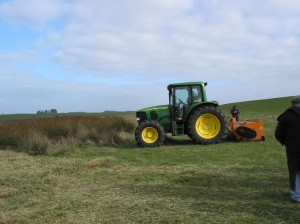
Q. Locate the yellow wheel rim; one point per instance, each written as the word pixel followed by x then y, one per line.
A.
pixel 149 135
pixel 208 126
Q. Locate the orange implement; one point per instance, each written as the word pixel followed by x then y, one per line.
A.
pixel 247 130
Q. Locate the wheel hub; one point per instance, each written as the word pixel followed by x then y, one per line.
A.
pixel 208 126
pixel 150 135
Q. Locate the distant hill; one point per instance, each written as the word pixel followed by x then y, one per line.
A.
pixel 273 106
pixel 40 116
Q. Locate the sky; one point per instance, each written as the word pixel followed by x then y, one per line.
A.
pixel 98 55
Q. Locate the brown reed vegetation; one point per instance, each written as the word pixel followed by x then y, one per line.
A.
pixel 36 135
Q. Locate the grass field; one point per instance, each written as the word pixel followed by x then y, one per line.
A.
pixel 245 182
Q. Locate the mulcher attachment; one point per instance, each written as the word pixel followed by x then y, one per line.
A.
pixel 247 130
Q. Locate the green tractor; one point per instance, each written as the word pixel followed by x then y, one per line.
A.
pixel 188 113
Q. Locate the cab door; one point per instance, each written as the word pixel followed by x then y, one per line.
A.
pixel 180 101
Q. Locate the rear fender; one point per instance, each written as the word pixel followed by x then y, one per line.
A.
pixel 197 105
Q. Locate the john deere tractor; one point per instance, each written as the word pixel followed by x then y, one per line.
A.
pixel 188 113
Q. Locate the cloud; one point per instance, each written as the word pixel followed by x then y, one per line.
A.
pixel 34 14
pixel 169 41
pixel 144 45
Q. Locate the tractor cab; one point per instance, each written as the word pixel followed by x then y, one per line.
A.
pixel 182 98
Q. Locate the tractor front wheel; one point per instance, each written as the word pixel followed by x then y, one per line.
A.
pixel 149 134
pixel 207 125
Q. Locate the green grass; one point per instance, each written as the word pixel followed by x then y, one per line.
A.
pixel 230 182
pixel 260 108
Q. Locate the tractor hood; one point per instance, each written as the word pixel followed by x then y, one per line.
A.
pixel 155 108
pixel 159 113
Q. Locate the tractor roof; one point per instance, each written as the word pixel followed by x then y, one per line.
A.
pixel 186 84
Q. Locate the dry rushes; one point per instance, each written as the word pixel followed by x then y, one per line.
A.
pixel 34 136
pixel 35 143
pixel 101 162
pixel 8 192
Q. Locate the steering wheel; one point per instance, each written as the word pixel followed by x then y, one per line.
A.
pixel 181 102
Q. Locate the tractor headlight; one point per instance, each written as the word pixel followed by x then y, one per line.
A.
pixel 141 116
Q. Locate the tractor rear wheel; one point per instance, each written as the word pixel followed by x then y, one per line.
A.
pixel 149 133
pixel 207 125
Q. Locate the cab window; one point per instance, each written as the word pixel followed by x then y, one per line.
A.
pixel 182 95
pixel 196 94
